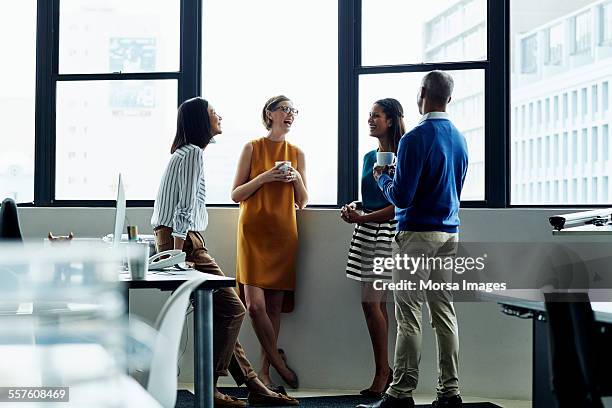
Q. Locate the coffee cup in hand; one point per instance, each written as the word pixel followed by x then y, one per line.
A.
pixel 384 159
pixel 283 166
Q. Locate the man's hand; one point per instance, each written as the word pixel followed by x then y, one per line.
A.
pixel 379 170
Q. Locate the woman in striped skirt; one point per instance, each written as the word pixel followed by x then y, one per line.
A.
pixel 374 220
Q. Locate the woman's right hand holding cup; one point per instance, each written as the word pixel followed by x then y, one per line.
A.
pixel 349 211
pixel 272 175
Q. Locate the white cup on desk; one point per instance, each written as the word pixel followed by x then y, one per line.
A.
pixel 138 260
pixel 385 159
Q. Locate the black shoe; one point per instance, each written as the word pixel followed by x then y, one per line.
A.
pixel 388 401
pixel 447 402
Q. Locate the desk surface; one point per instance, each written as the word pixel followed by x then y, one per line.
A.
pixel 532 300
pixel 171 279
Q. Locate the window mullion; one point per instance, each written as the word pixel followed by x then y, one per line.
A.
pixel 497 85
pixel 47 37
pixel 349 32
pixel 191 54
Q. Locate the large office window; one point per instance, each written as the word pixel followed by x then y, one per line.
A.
pixel 405 32
pixel 111 74
pixel 466 109
pixel 108 124
pixel 247 60
pixel 578 76
pixel 442 31
pixel 17 96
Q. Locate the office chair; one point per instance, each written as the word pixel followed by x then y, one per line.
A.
pixel 9 221
pixel 574 349
pixel 161 381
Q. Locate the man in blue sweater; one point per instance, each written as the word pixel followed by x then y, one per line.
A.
pixel 432 162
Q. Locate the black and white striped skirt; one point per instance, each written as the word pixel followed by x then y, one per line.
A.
pixel 370 240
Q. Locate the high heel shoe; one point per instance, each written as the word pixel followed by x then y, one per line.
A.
pixel 375 394
pixel 292 382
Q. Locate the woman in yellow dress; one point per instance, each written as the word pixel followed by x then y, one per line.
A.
pixel 270 184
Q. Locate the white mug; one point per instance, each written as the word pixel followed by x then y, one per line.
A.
pixel 384 158
pixel 284 165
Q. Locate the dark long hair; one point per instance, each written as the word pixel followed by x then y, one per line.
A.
pixel 394 111
pixel 192 124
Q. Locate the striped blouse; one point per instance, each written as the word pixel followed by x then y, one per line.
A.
pixel 180 202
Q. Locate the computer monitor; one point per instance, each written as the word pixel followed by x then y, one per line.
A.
pixel 119 213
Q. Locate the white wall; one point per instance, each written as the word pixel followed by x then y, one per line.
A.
pixel 326 337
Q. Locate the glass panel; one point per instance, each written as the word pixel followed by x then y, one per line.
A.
pixel 466 110
pixel 281 54
pixel 17 97
pixel 555 45
pixel 529 49
pixel 552 58
pixel 109 127
pixel 606 24
pixel 403 32
pixel 582 33
pixel 98 36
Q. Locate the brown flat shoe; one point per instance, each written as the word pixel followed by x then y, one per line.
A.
pixel 229 402
pixel 277 400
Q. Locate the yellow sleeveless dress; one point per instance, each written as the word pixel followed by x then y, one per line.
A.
pixel 267 226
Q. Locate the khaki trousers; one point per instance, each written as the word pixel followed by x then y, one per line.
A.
pixel 408 313
pixel 228 311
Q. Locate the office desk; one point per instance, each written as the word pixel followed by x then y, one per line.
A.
pixel 203 321
pixel 517 303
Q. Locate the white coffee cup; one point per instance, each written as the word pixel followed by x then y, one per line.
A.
pixel 283 165
pixel 138 260
pixel 384 158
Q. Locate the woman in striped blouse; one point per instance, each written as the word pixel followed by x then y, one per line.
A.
pixel 179 220
pixel 374 231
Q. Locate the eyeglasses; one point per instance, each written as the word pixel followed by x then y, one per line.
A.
pixel 287 109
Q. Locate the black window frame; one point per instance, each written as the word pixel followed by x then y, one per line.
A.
pixel 497 80
pixel 47 77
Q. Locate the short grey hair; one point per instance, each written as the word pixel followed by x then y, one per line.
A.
pixel 438 86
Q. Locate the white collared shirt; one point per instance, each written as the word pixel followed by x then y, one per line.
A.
pixel 434 115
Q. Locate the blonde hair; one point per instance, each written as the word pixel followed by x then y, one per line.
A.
pixel 270 105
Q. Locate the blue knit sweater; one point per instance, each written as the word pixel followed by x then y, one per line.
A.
pixel 432 161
